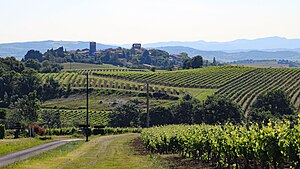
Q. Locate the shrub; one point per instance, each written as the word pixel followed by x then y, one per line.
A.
pixel 2 131
pixel 218 109
pixel 272 104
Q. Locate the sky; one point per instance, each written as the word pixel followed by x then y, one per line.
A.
pixel 146 21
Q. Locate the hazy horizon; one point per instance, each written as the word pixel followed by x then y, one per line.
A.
pixel 42 40
pixel 119 22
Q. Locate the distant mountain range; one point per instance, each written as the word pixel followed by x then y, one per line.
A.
pixel 269 43
pixel 241 49
pixel 233 56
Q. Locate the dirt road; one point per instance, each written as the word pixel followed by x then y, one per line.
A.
pixel 101 152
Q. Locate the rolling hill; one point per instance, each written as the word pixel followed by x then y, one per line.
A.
pixel 19 49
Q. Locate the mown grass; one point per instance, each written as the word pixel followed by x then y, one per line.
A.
pixel 44 160
pixel 200 94
pixel 12 145
pixel 104 152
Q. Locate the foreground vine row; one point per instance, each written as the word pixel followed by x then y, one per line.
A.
pixel 229 145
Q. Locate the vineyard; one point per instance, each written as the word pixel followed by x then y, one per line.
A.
pixel 91 71
pixel 78 80
pixel 209 77
pixel 241 84
pixel 229 145
pixel 70 118
pixel 245 89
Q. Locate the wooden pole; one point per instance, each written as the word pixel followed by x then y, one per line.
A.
pixel 87 108
pixel 148 116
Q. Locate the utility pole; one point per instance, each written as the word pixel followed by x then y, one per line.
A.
pixel 87 108
pixel 148 116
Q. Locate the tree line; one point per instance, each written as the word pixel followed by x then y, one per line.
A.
pixel 22 91
pixel 216 109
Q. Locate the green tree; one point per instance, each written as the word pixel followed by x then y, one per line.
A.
pixel 29 81
pixel 30 63
pixel 219 109
pixel 160 116
pixel 9 81
pixel 50 67
pixel 126 115
pixel 106 56
pixel 60 52
pixel 146 57
pixel 51 118
pixel 214 63
pixel 26 108
pixel 277 103
pixel 184 55
pixel 51 89
pixel 35 55
pixel 183 112
pixel 11 64
pixel 2 115
pixel 186 64
pixel 197 62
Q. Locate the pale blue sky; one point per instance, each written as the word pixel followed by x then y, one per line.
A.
pixel 128 21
